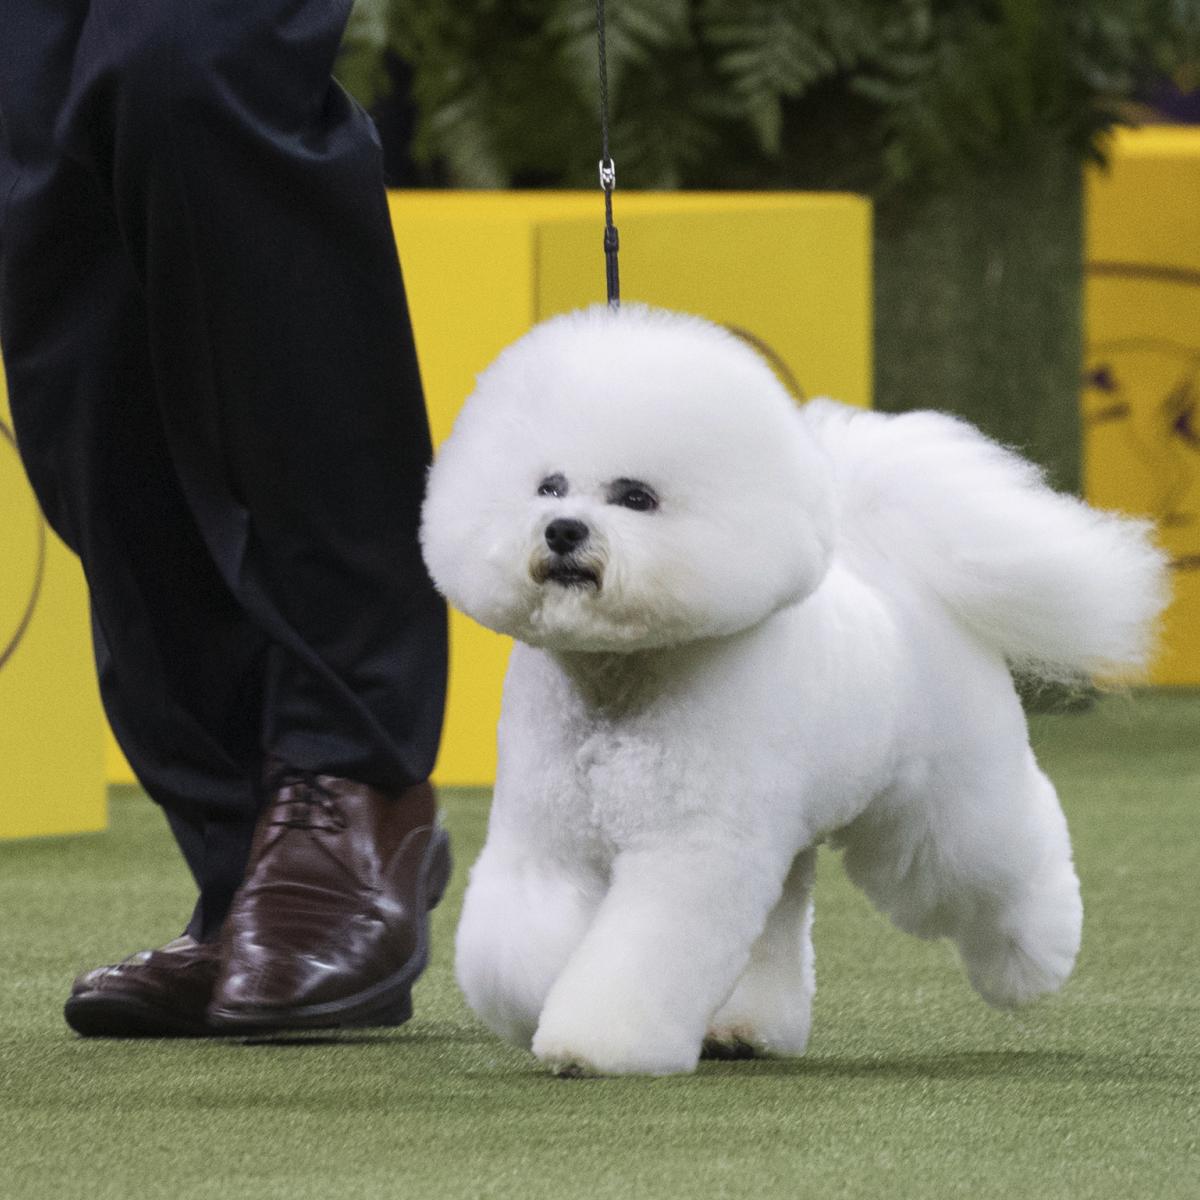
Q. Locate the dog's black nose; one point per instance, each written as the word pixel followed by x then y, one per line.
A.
pixel 565 534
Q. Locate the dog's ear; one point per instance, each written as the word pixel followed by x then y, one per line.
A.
pixel 473 511
pixel 767 535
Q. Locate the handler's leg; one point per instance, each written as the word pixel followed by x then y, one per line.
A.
pixel 178 660
pixel 248 188
pixel 247 199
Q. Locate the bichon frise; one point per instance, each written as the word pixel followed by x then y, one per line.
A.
pixel 743 629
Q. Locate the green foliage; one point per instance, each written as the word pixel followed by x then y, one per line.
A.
pixel 968 91
pixel 714 91
pixel 362 64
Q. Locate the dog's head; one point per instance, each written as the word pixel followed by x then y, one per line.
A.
pixel 626 479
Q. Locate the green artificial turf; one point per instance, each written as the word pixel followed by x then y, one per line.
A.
pixel 911 1088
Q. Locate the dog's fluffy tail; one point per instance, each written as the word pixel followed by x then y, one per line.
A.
pixel 1061 590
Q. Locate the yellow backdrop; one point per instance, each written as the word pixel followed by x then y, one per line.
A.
pixel 1141 402
pixel 51 727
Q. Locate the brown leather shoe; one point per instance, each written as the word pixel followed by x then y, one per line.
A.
pixel 154 993
pixel 330 927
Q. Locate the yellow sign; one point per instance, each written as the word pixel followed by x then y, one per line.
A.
pixel 51 727
pixel 1141 401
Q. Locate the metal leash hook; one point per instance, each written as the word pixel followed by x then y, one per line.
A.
pixel 612 241
pixel 608 174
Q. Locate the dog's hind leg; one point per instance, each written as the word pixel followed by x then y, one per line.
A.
pixel 522 919
pixel 771 1006
pixel 979 854
pixel 1023 943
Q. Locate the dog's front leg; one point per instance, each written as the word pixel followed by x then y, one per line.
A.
pixel 667 945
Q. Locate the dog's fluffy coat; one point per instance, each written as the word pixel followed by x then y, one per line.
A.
pixel 808 639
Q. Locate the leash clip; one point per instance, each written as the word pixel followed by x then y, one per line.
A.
pixel 608 174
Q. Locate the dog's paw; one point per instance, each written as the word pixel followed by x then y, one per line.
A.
pixel 724 1045
pixel 1008 975
pixel 575 1053
pixel 781 1034
pixel 573 1071
pixel 1029 949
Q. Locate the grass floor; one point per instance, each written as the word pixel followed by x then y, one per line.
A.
pixel 911 1088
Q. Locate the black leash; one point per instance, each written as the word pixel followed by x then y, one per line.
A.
pixel 608 174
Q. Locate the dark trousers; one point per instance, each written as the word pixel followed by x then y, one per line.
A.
pixel 216 397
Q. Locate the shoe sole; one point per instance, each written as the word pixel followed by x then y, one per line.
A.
pixel 387 1003
pixel 113 1015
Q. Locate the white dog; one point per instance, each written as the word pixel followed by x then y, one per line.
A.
pixel 744 629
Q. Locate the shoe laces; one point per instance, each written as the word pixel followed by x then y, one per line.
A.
pixel 303 801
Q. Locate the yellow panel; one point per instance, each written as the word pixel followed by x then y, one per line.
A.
pixel 1142 401
pixel 481 267
pixel 467 269
pixel 795 272
pixel 51 727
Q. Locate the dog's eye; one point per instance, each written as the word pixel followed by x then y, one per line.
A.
pixel 631 493
pixel 552 485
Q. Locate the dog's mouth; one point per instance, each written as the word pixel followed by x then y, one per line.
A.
pixel 566 573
